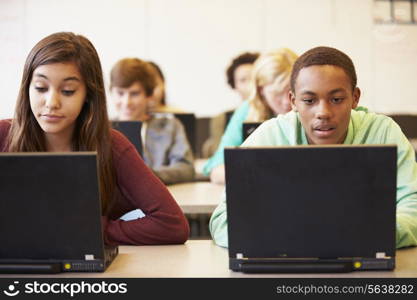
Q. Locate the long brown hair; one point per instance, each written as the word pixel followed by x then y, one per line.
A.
pixel 92 129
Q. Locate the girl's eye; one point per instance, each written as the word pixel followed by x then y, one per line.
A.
pixel 41 89
pixel 68 92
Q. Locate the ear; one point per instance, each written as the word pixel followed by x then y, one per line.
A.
pixel 291 97
pixel 356 96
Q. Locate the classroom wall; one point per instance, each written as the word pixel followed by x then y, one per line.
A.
pixel 194 41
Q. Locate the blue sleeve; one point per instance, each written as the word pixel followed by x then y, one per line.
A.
pixel 233 136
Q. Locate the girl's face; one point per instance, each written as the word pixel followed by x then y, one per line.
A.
pixel 276 97
pixel 57 93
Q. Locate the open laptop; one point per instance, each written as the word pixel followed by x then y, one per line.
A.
pixel 188 120
pixel 311 208
pixel 248 128
pixel 50 214
pixel 132 130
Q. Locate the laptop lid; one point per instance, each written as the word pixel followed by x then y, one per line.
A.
pixel 50 210
pixel 188 120
pixel 248 128
pixel 132 130
pixel 324 202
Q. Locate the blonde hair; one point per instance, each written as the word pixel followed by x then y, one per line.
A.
pixel 273 66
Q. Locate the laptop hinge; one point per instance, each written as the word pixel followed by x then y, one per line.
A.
pixel 30 268
pixel 296 267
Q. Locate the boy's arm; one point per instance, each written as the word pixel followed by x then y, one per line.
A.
pixel 218 224
pixel 406 189
pixel 180 156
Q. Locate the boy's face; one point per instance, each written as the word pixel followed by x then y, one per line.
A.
pixel 131 102
pixel 324 98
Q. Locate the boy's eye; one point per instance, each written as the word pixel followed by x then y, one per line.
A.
pixel 337 100
pixel 41 89
pixel 134 94
pixel 308 101
pixel 68 92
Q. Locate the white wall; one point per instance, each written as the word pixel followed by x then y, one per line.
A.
pixel 194 41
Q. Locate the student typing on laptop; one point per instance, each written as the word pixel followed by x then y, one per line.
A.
pixel 324 99
pixel 61 107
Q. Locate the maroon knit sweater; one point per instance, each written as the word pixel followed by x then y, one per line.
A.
pixel 137 187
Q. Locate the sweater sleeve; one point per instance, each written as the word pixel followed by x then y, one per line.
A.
pixel 218 224
pixel 233 136
pixel 180 166
pixel 164 222
pixel 406 233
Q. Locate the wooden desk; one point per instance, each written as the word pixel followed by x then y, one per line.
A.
pixel 197 197
pixel 202 258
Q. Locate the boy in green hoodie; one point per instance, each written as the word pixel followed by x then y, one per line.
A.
pixel 324 99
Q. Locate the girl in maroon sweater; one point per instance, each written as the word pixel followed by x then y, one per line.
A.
pixel 61 107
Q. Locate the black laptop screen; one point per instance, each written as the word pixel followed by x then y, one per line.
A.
pixel 320 202
pixel 49 206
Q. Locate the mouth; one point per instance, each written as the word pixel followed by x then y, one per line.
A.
pixel 51 117
pixel 324 130
pixel 128 112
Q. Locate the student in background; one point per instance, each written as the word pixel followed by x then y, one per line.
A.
pixel 238 77
pixel 270 85
pixel 166 148
pixel 157 103
pixel 61 107
pixel 239 73
pixel 324 99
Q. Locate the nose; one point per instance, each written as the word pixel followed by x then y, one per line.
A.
pixel 52 100
pixel 323 111
pixel 126 100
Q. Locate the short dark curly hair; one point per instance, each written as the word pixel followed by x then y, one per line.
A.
pixel 324 56
pixel 242 59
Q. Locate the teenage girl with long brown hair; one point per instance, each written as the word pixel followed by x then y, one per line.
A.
pixel 61 107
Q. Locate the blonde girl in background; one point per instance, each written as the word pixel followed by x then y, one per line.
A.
pixel 270 84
